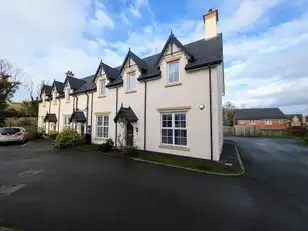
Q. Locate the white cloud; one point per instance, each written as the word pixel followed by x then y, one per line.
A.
pixel 135 11
pixel 125 19
pixel 247 14
pixel 101 20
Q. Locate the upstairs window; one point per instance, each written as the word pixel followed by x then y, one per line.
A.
pixel 67 95
pixel 173 72
pixel 54 95
pixel 268 122
pixel 102 84
pixel 131 81
pixel 44 100
pixel 252 122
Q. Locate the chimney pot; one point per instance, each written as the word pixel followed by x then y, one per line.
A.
pixel 69 73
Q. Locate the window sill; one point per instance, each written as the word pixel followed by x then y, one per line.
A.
pixel 102 96
pixel 101 138
pixel 173 84
pixel 129 92
pixel 179 148
pixel 67 101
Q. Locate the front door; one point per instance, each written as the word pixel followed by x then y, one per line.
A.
pixel 130 135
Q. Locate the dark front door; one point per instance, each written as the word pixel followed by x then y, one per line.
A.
pixel 129 135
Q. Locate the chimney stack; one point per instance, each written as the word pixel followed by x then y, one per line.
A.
pixel 211 23
pixel 69 73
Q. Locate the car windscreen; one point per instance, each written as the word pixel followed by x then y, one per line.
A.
pixel 9 130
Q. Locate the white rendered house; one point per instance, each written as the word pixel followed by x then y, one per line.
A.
pixel 170 102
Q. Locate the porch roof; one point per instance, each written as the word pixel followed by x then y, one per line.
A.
pixel 78 116
pixel 50 118
pixel 127 114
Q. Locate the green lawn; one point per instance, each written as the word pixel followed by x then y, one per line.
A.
pixel 88 147
pixel 171 160
pixel 186 163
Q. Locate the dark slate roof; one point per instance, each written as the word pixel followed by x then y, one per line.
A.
pixel 139 62
pixel 126 114
pixel 74 82
pixel 259 114
pixel 59 86
pixel 89 78
pixel 88 86
pixel 291 116
pixel 78 116
pixel 47 89
pixel 202 52
pixel 50 118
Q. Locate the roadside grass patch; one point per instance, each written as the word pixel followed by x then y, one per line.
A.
pixel 184 162
pixel 88 147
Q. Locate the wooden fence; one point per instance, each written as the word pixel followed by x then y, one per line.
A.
pixel 253 130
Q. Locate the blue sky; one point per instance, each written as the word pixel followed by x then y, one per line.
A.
pixel 265 42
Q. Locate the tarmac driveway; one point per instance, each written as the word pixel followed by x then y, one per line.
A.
pixel 44 189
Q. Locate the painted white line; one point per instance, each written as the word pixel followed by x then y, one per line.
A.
pixel 31 172
pixel 26 144
pixel 6 190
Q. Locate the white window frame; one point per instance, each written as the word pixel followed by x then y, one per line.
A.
pixel 102 88
pixel 103 126
pixel 66 122
pixel 131 81
pixel 169 72
pixel 54 99
pixel 173 128
pixel 241 121
pixel 67 95
pixel 252 122
pixel 44 100
pixel 280 121
pixel 268 122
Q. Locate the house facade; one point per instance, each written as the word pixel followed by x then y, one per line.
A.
pixel 295 120
pixel 170 102
pixel 264 118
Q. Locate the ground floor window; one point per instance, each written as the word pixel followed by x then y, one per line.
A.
pixel 173 128
pixel 66 122
pixel 268 122
pixel 102 123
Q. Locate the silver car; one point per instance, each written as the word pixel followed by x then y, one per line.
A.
pixel 13 134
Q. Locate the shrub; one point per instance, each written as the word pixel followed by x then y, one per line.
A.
pixel 305 139
pixel 131 151
pixel 107 146
pixel 68 138
pixel 53 134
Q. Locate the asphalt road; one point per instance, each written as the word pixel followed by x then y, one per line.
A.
pixel 44 189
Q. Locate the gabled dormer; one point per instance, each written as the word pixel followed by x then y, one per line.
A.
pixel 172 60
pixel 57 90
pixel 172 48
pixel 103 75
pixel 132 60
pixel 45 93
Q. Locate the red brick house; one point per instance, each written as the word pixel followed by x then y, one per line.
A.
pixel 265 118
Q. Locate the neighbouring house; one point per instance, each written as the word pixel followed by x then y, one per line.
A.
pixel 295 120
pixel 170 102
pixel 265 118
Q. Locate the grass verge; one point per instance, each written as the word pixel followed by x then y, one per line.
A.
pixel 178 161
pixel 88 147
pixel 191 163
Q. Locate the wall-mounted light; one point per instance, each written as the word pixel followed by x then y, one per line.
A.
pixel 201 106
